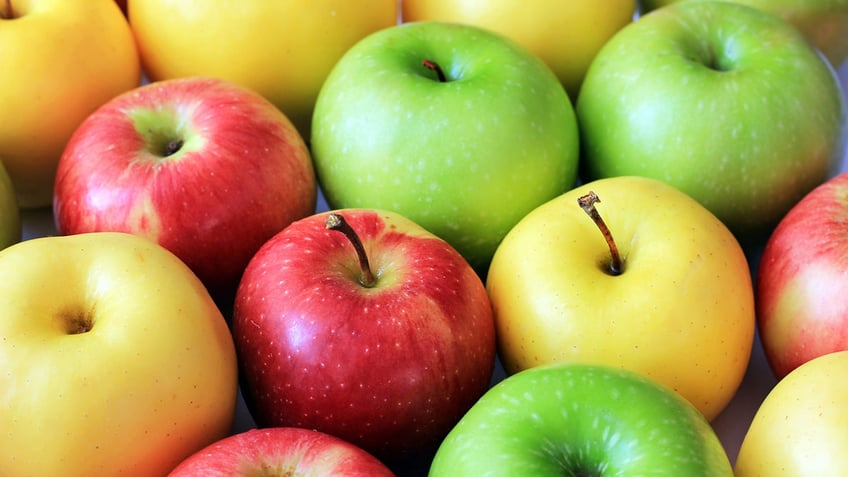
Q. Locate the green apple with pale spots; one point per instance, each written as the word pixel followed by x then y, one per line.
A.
pixel 580 419
pixel 455 127
pixel 726 102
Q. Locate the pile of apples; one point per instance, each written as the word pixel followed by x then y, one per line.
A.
pixel 421 237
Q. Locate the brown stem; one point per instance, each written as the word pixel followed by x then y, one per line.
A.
pixel 587 203
pixel 337 222
pixel 433 66
pixel 8 11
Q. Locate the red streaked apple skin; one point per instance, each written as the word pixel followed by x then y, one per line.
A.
pixel 390 368
pixel 243 174
pixel 281 451
pixel 802 285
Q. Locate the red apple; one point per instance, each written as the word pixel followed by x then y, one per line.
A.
pixel 802 284
pixel 379 332
pixel 281 451
pixel 208 169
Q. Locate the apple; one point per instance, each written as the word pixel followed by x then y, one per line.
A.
pixel 115 359
pixel 457 128
pixel 60 61
pixel 287 451
pixel 802 289
pixel 281 49
pixel 693 94
pixel 11 229
pixel 361 324
pixel 823 22
pixel 679 308
pixel 799 429
pixel 206 168
pixel 578 419
pixel 565 35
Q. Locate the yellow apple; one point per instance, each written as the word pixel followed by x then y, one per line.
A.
pixel 10 214
pixel 565 35
pixel 801 427
pixel 59 61
pixel 114 360
pixel 282 49
pixel 680 309
pixel 823 22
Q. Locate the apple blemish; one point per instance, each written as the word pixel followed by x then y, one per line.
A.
pixel 587 203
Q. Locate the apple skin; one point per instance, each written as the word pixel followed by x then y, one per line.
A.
pixel 241 175
pixel 282 49
pixel 115 359
pixel 11 229
pixel 577 419
pixel 681 312
pixel 389 368
pixel 465 158
pixel 60 61
pixel 823 22
pixel 565 35
pixel 764 120
pixel 799 428
pixel 802 309
pixel 281 451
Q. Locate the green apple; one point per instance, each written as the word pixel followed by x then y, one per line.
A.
pixel 10 214
pixel 680 308
pixel 823 22
pixel 457 128
pixel 114 360
pixel 725 102
pixel 800 427
pixel 581 420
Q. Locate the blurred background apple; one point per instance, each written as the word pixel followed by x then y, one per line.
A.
pixel 565 35
pixel 60 61
pixel 281 49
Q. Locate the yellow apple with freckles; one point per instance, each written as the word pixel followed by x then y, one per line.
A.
pixel 679 308
pixel 282 49
pixel 59 61
pixel 114 360
pixel 800 428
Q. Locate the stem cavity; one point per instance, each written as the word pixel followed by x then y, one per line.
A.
pixel 587 203
pixel 433 66
pixel 8 11
pixel 337 222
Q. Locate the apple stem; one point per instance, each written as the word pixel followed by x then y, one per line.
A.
pixel 587 203
pixel 8 12
pixel 337 222
pixel 433 66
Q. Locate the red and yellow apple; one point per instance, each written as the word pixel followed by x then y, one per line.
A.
pixel 206 168
pixel 565 35
pixel 60 60
pixel 114 359
pixel 375 331
pixel 281 49
pixel 802 288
